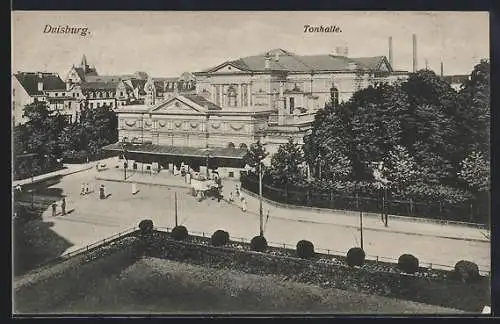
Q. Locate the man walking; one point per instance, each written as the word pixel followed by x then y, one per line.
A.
pixel 54 206
pixel 82 191
pixel 63 207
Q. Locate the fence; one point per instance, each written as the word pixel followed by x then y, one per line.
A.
pixel 483 269
pixel 470 211
pixel 86 248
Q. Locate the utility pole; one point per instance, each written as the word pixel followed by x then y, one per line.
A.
pixel 260 201
pixel 360 221
pixel 175 204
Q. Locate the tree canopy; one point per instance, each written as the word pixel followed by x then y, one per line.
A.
pixel 428 135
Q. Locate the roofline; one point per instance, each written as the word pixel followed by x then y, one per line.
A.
pixel 177 154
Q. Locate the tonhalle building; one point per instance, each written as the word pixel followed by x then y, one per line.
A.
pixel 269 97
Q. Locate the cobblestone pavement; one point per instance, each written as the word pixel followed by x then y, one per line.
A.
pixel 93 219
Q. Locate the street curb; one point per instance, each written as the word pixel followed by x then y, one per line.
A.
pixel 353 226
pixel 142 183
pixel 348 212
pixel 304 220
pixel 53 176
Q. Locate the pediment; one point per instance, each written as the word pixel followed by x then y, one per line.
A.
pixel 227 68
pixel 178 106
pixel 384 66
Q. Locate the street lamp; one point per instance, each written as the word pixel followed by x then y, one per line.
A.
pixel 382 184
pixel 125 164
pixel 261 216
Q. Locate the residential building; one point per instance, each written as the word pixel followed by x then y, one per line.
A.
pixel 30 87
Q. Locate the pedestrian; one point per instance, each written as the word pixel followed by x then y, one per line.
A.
pixel 63 206
pixel 243 205
pixel 54 206
pixel 87 190
pixel 231 198
pixel 101 192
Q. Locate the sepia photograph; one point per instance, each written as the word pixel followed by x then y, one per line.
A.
pixel 250 162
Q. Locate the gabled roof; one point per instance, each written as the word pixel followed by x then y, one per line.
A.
pixel 104 78
pixel 187 76
pixel 165 79
pixel 282 60
pixel 84 74
pixel 30 80
pixel 99 86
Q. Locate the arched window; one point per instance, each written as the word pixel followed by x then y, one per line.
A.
pixel 230 145
pixel 243 146
pixel 231 93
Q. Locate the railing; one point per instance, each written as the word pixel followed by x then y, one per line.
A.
pixel 467 212
pixel 333 253
pixel 86 248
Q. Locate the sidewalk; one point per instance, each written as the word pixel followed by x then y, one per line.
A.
pixel 347 219
pixel 68 169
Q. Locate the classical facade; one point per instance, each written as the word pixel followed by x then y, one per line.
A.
pixel 269 97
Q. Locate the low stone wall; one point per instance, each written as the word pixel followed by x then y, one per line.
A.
pixel 39 292
pixel 441 291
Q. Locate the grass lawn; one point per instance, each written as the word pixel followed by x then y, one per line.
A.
pixel 160 286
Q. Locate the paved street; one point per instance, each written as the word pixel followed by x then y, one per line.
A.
pixel 94 219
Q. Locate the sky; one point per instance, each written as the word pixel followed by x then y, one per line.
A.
pixel 170 43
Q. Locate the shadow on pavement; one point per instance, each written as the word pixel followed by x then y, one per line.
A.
pixel 34 241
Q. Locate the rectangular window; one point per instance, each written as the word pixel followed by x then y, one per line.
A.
pixel 56 94
pixel 63 94
pixel 292 104
pixel 231 174
pixel 121 93
pixel 74 95
pixel 91 105
pixel 111 104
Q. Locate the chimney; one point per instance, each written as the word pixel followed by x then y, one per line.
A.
pixel 40 86
pixel 414 52
pixel 267 64
pixel 442 71
pixel 390 51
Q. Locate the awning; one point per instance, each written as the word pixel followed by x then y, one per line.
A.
pixel 217 152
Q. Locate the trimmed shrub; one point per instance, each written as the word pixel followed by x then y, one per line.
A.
pixel 179 233
pixel 408 263
pixel 466 271
pixel 220 238
pixel 355 257
pixel 305 249
pixel 146 226
pixel 258 243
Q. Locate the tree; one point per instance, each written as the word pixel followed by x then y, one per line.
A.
pixel 286 164
pixel 476 172
pixel 400 169
pixel 255 154
pixel 43 127
pixel 472 115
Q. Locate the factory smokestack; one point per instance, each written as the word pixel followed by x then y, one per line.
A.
pixel 390 51
pixel 414 53
pixel 442 70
